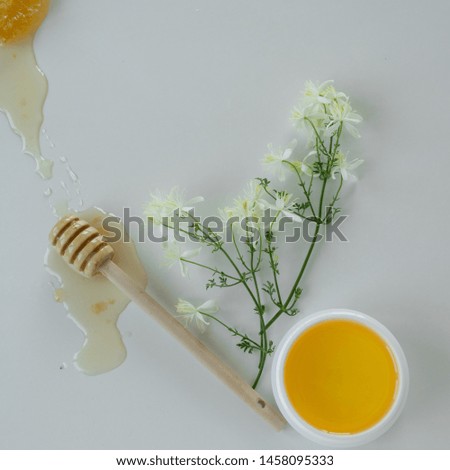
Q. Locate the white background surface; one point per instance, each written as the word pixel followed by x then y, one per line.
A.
pixel 149 94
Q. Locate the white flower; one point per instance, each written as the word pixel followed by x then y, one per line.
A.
pixel 275 160
pixel 306 115
pixel 283 204
pixel 303 166
pixel 322 93
pixel 342 113
pixel 174 254
pixel 345 167
pixel 246 214
pixel 249 205
pixel 189 313
pixel 312 107
pixel 326 109
pixel 161 207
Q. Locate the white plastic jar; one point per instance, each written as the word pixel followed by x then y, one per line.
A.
pixel 329 439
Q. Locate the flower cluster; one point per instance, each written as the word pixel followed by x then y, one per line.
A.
pixel 324 113
pixel 162 207
pixel 319 168
pixel 323 110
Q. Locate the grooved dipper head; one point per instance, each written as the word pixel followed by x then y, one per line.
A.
pixel 80 244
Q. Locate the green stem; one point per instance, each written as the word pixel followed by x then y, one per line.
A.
pixel 255 280
pixel 268 192
pixel 335 198
pixel 311 179
pixel 235 267
pixel 258 263
pixel 305 262
pixel 324 149
pixel 239 254
pixel 244 282
pixel 298 279
pixel 262 326
pixel 215 270
pixel 303 186
pixel 260 371
pixel 338 136
pixel 256 301
pixel 197 238
pixel 272 264
pixel 230 329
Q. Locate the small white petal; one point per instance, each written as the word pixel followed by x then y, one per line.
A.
pixel 195 200
pixel 185 319
pixel 201 323
pixel 287 154
pixel 189 254
pixel 183 269
pixel 210 307
pixel 355 163
pixel 183 306
pixel 352 130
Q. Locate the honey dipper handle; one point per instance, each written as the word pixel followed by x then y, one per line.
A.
pixel 121 279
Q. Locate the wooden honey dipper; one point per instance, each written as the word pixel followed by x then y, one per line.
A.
pixel 83 247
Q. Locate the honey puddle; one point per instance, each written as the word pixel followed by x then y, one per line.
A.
pixel 23 89
pixel 95 304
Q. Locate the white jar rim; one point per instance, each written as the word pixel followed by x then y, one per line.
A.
pixel 329 439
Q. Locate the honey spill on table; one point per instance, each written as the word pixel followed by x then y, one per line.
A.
pixel 95 304
pixel 100 307
pixel 23 86
pixel 58 294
